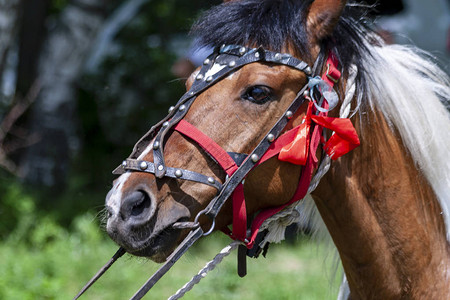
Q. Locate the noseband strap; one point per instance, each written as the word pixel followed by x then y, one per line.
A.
pixel 149 167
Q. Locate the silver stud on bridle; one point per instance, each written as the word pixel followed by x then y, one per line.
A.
pixel 178 173
pixel 308 70
pixel 143 165
pixel 289 114
pixel 254 158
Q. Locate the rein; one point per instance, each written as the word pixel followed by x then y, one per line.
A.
pixel 235 165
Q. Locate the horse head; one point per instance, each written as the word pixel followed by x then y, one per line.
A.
pixel 236 112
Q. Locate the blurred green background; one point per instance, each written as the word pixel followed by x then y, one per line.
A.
pixel 80 82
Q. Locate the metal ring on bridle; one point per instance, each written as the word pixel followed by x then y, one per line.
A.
pixel 213 225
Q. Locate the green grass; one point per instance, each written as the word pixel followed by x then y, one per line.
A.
pixel 55 263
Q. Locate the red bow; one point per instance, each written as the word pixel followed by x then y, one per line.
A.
pixel 341 142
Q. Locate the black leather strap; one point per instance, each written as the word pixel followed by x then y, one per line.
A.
pixel 158 152
pixel 238 157
pixel 149 167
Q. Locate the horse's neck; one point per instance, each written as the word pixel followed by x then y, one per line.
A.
pixel 385 221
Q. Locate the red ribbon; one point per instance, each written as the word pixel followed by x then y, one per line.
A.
pixel 344 139
pixel 341 142
pixel 296 152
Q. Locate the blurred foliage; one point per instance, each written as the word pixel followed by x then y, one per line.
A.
pixel 16 208
pixel 56 6
pixel 132 89
pixel 134 86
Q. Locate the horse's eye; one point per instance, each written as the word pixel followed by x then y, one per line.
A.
pixel 258 94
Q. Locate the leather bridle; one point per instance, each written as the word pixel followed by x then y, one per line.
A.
pixel 236 166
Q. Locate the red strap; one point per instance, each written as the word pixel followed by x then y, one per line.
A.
pixel 207 144
pixel 239 210
pixel 239 214
pixel 332 73
pixel 344 140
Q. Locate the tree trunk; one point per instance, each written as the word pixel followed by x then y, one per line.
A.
pixel 8 27
pixel 31 36
pixel 54 114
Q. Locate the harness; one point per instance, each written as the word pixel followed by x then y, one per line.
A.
pixel 286 145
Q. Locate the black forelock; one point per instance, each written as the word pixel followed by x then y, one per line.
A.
pixel 275 24
pixel 269 24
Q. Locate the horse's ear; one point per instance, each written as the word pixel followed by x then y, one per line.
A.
pixel 323 16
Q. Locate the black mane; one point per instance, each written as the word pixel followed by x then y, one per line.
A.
pixel 273 23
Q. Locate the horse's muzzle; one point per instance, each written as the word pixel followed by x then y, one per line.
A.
pixel 143 226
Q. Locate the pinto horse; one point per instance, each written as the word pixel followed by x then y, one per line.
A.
pixel 261 106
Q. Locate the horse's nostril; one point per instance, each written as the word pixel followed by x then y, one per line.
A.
pixel 135 204
pixel 140 205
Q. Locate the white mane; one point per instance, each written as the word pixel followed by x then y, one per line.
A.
pixel 413 94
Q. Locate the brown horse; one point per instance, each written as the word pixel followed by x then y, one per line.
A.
pixel 386 204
